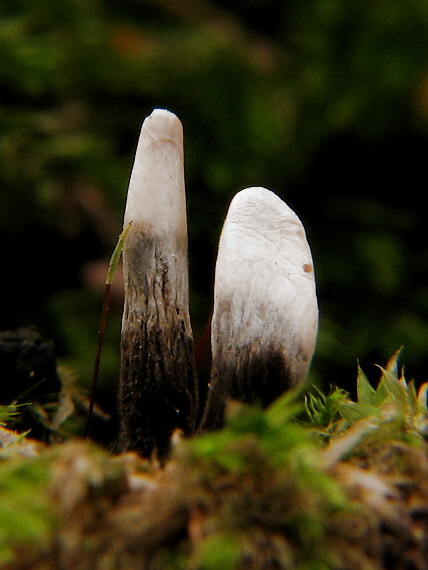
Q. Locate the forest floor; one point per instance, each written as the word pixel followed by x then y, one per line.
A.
pixel 313 482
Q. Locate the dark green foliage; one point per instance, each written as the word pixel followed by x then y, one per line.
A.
pixel 323 102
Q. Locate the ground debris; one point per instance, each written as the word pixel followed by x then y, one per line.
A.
pixel 257 494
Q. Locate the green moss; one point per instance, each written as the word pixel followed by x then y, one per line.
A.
pixel 26 517
pixel 293 486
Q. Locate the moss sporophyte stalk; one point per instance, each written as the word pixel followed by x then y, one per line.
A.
pixel 111 272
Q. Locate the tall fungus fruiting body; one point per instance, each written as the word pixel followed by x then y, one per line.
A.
pixel 265 318
pixel 158 386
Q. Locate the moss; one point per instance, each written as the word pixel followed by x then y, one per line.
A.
pixel 275 488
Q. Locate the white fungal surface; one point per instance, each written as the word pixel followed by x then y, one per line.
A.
pixel 265 294
pixel 156 204
pixel 156 194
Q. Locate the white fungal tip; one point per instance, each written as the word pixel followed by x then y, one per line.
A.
pixel 263 207
pixel 163 125
pixel 156 198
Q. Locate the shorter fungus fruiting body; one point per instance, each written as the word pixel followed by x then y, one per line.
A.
pixel 265 319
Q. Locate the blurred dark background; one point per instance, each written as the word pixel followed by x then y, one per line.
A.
pixel 324 102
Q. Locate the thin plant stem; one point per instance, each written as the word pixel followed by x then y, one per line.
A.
pixel 111 272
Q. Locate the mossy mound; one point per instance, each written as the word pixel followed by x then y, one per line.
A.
pixel 340 484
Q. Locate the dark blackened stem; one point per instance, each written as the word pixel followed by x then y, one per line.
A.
pixel 158 386
pixel 158 389
pixel 265 319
